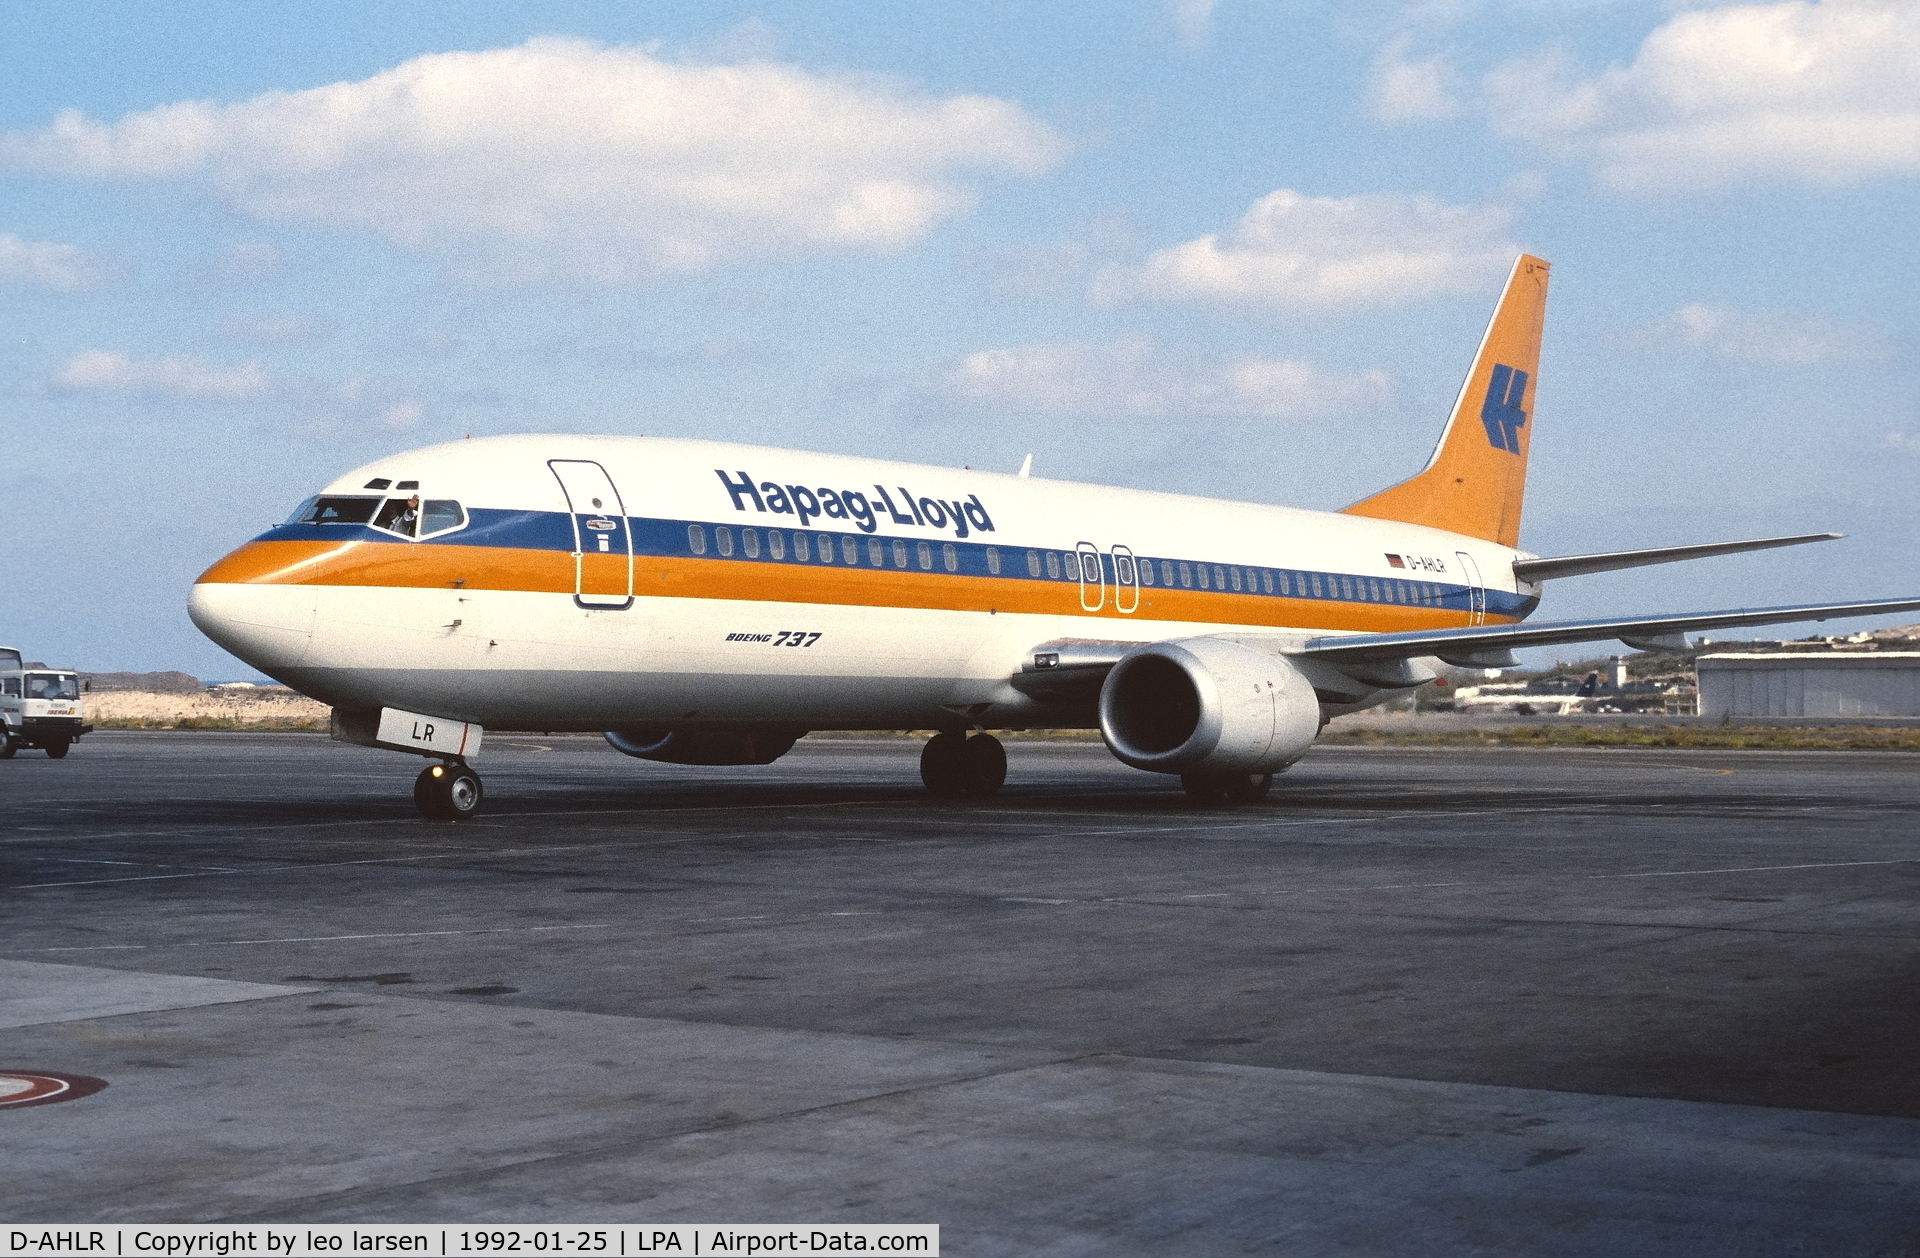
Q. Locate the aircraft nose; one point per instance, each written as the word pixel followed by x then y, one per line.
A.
pixel 268 626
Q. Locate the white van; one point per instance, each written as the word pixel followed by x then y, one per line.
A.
pixel 41 707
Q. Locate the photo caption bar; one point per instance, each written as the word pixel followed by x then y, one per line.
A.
pixel 467 1240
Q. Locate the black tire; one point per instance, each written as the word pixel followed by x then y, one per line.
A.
pixel 423 788
pixel 7 748
pixel 57 749
pixel 1204 788
pixel 984 762
pixel 943 766
pixel 452 792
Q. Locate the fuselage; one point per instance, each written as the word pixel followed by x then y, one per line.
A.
pixel 591 583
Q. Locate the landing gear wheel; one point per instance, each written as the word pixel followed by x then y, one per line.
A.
pixel 57 749
pixel 1226 788
pixel 985 763
pixel 953 765
pixel 448 792
pixel 943 766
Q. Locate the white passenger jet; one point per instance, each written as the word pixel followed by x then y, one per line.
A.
pixel 704 603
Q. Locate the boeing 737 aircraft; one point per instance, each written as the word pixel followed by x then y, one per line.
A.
pixel 705 603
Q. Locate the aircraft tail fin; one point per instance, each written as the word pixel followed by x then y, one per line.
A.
pixel 1477 476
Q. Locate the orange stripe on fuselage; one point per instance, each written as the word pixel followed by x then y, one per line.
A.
pixel 394 566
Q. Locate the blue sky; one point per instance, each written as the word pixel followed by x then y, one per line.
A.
pixel 1235 249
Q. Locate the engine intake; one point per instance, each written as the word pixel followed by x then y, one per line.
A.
pixel 1207 705
pixel 758 745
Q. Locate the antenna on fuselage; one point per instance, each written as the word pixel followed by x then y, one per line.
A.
pixel 1026 465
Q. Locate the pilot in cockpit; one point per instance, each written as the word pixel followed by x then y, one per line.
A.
pixel 400 516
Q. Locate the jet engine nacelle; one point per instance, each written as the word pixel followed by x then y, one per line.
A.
pixel 760 745
pixel 1207 705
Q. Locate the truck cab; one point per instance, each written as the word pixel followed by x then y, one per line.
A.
pixel 41 707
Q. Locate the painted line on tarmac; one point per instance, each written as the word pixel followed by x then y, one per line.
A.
pixel 234 943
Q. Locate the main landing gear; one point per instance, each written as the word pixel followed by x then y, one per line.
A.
pixel 1226 788
pixel 953 765
pixel 448 792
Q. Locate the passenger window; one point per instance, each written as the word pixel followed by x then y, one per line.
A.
pixel 1123 570
pixel 1314 577
pixel 951 557
pixel 696 539
pixel 340 510
pixel 1186 575
pixel 801 550
pixel 1146 572
pixel 777 543
pixel 925 554
pixel 723 539
pixel 1166 573
pixel 1053 565
pixel 993 560
pixel 1346 589
pixel 1033 563
pixel 1219 578
pixel 750 542
pixel 1070 564
pixel 440 515
pixel 1266 579
pixel 850 549
pixel 1203 578
pixel 899 553
pixel 876 553
pixel 1233 575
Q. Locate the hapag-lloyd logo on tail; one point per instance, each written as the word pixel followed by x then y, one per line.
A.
pixel 962 515
pixel 1500 409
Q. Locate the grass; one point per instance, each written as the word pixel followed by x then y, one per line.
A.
pixel 275 724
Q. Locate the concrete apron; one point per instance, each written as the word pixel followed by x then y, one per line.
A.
pixel 232 1101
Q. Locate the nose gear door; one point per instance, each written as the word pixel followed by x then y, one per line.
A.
pixel 602 535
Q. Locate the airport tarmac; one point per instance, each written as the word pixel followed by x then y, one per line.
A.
pixel 1420 1001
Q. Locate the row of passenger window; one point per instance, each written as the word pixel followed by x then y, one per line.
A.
pixel 1067 565
pixel 878 550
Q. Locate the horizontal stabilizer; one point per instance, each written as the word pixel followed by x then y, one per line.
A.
pixel 1581 565
pixel 1377 648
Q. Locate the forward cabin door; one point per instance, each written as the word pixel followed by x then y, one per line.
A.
pixel 1476 592
pixel 602 535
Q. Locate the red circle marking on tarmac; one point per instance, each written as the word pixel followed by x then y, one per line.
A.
pixel 21 1088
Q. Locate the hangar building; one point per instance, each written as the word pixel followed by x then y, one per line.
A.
pixel 1843 683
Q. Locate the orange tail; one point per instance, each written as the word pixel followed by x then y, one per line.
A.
pixel 1477 476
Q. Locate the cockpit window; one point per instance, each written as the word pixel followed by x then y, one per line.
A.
pixel 440 515
pixel 338 510
pixel 400 515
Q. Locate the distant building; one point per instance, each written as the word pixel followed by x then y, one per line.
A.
pixel 1837 683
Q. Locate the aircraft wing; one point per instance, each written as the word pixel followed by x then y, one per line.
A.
pixel 1490 646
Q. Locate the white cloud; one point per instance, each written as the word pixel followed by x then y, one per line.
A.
pixel 1818 93
pixel 42 264
pixel 315 408
pixel 1403 90
pixel 1762 339
pixel 564 154
pixel 1193 19
pixel 1301 252
pixel 1131 379
pixel 177 378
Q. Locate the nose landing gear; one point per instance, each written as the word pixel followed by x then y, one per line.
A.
pixel 448 792
pixel 953 765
